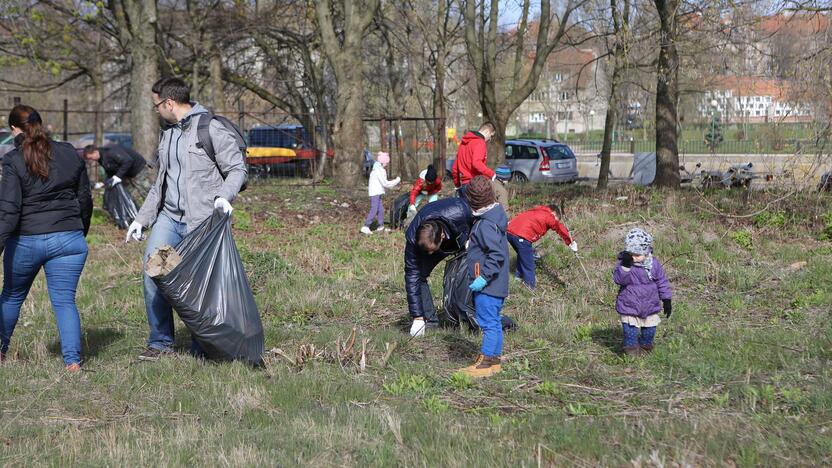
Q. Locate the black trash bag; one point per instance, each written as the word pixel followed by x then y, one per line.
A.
pixel 119 203
pixel 398 213
pixel 210 292
pixel 458 300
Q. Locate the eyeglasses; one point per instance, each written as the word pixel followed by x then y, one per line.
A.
pixel 156 106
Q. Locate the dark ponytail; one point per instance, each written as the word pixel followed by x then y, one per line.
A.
pixel 36 150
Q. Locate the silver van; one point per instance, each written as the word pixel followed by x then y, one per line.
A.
pixel 541 161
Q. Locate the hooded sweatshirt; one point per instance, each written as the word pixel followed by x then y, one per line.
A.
pixel 470 159
pixel 174 152
pixel 378 180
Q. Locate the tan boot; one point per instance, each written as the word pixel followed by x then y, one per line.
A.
pixel 477 362
pixel 486 367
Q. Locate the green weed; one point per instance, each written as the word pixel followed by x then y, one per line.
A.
pixel 743 238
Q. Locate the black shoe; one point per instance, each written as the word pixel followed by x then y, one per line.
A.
pixel 153 354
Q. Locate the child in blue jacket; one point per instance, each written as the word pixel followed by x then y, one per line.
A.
pixel 643 292
pixel 488 264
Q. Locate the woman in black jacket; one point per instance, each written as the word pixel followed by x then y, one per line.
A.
pixel 45 210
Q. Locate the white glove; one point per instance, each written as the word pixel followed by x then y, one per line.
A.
pixel 134 231
pixel 573 246
pixel 222 204
pixel 494 177
pixel 411 209
pixel 418 328
pixel 98 185
pixel 397 180
pixel 115 180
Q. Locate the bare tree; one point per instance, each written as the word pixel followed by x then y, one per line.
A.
pixel 136 20
pixel 482 37
pixel 667 96
pixel 620 11
pixel 342 31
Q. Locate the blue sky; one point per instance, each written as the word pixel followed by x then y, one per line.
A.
pixel 510 11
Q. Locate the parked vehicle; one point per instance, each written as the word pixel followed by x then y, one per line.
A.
pixel 121 139
pixel 284 149
pixel 541 161
pixel 6 142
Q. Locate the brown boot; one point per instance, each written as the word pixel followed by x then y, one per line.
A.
pixel 477 362
pixel 484 367
pixel 633 351
pixel 646 349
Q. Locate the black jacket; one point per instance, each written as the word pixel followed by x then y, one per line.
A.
pixel 30 205
pixel 456 219
pixel 120 161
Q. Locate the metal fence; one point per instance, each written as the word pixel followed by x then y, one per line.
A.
pixel 701 147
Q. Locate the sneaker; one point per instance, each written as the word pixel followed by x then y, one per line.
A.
pixel 73 368
pixel 646 349
pixel 381 229
pixel 366 230
pixel 483 367
pixel 152 354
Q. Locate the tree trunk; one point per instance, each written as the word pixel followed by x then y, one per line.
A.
pixel 667 95
pixel 348 136
pixel 137 29
pixel 215 92
pixel 344 55
pixel 609 122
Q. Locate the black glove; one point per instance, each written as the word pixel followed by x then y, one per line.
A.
pixel 626 259
pixel 668 307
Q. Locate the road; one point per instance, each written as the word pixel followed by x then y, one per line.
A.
pixel 776 165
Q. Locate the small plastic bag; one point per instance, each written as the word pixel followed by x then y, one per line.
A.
pixel 120 205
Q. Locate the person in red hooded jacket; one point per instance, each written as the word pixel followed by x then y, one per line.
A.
pixel 428 185
pixel 471 157
pixel 527 228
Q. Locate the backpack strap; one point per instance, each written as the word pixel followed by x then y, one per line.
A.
pixel 203 135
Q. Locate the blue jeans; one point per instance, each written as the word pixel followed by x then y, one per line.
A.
pixel 159 312
pixel 62 256
pixel 634 336
pixel 488 316
pixel 525 259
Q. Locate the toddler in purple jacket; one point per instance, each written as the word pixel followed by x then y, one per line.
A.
pixel 643 292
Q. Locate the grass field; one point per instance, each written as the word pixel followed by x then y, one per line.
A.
pixel 740 375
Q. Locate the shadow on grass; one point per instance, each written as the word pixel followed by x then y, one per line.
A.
pixel 93 341
pixel 461 346
pixel 609 337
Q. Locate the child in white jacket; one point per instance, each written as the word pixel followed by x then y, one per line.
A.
pixel 377 186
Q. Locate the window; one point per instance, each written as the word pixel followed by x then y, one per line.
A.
pixel 564 95
pixel 777 112
pixel 537 117
pixel 510 151
pixel 757 113
pixel 558 77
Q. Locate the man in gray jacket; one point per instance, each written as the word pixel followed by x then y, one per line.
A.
pixel 189 187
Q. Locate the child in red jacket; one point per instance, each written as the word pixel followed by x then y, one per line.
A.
pixel 527 228
pixel 429 184
pixel 471 157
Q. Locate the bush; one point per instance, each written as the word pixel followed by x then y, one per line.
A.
pixel 826 233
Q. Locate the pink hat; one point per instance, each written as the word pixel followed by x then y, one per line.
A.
pixel 383 158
